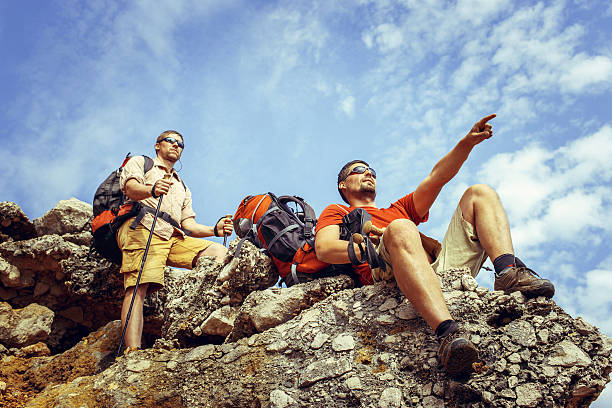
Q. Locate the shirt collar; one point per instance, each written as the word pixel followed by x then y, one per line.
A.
pixel 157 162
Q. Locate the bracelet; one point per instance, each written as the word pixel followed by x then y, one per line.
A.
pixel 153 191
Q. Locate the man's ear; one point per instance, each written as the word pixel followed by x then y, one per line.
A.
pixel 157 147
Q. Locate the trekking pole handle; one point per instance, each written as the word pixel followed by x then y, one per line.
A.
pixel 225 236
pixel 369 227
pixel 166 177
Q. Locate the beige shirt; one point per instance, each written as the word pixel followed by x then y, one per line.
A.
pixel 177 203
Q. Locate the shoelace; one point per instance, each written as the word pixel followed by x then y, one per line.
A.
pixel 524 269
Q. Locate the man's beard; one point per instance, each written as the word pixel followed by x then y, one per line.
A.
pixel 368 190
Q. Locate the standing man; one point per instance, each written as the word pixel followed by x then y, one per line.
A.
pixel 170 244
pixel 478 228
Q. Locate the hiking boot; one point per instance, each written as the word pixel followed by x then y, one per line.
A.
pixel 524 280
pixel 457 354
pixel 378 274
pixel 129 350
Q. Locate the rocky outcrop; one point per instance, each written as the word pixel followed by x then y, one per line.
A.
pixel 265 309
pixel 225 338
pixel 367 347
pixel 55 269
pixel 14 224
pixel 202 304
pixel 24 327
pixel 30 370
pixel 70 219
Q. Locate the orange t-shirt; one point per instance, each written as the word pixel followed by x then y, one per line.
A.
pixel 381 217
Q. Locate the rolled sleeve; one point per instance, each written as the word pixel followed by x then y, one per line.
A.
pixel 133 169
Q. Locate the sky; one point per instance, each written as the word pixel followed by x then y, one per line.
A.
pixel 278 95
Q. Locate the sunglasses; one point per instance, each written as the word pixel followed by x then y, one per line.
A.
pixel 172 140
pixel 361 170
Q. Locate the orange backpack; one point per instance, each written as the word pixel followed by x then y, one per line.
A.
pixel 284 233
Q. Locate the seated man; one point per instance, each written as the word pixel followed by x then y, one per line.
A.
pixel 479 228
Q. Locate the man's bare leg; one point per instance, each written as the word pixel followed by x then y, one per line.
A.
pixel 419 283
pixel 133 334
pixel 216 250
pixel 413 274
pixel 483 209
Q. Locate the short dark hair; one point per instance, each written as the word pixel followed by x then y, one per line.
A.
pixel 165 133
pixel 345 172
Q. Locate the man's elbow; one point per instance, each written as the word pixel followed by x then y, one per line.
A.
pixel 322 251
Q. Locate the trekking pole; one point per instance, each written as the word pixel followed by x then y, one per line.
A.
pixel 144 258
pixel 225 236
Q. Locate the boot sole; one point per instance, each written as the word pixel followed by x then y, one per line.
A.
pixel 545 289
pixel 461 360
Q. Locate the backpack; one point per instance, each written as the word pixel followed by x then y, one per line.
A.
pixel 283 233
pixel 110 213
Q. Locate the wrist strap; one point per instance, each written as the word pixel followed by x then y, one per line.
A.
pixel 352 255
pixel 215 227
pixel 153 191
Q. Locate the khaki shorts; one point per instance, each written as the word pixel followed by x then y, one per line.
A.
pixel 177 251
pixel 460 248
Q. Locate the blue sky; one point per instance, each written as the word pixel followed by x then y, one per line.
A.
pixel 276 96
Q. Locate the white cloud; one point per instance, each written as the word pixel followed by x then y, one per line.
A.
pixel 556 196
pixel 467 72
pixel 589 297
pixel 388 37
pixel 284 40
pixel 521 174
pixel 589 157
pixel 584 72
pixel 347 105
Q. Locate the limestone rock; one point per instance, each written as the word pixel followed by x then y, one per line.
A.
pixel 67 217
pixel 23 327
pixel 220 322
pixel 10 276
pixel 265 309
pixel 193 296
pixel 251 271
pixel 14 224
pixel 323 343
pixel 90 356
pixel 279 365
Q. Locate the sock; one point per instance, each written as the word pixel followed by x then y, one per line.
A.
pixel 446 327
pixel 502 262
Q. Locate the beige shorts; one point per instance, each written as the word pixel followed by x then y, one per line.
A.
pixel 460 248
pixel 178 251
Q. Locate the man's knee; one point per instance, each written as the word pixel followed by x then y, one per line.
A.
pixel 402 233
pixel 141 293
pixel 481 191
pixel 216 250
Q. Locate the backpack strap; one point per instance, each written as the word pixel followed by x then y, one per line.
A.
pixel 148 163
pixel 281 232
pixel 292 278
pixel 144 209
pixel 310 217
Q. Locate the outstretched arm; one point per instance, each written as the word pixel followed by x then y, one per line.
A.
pixel 428 190
pixel 224 227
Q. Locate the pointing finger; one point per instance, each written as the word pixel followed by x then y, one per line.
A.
pixel 484 120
